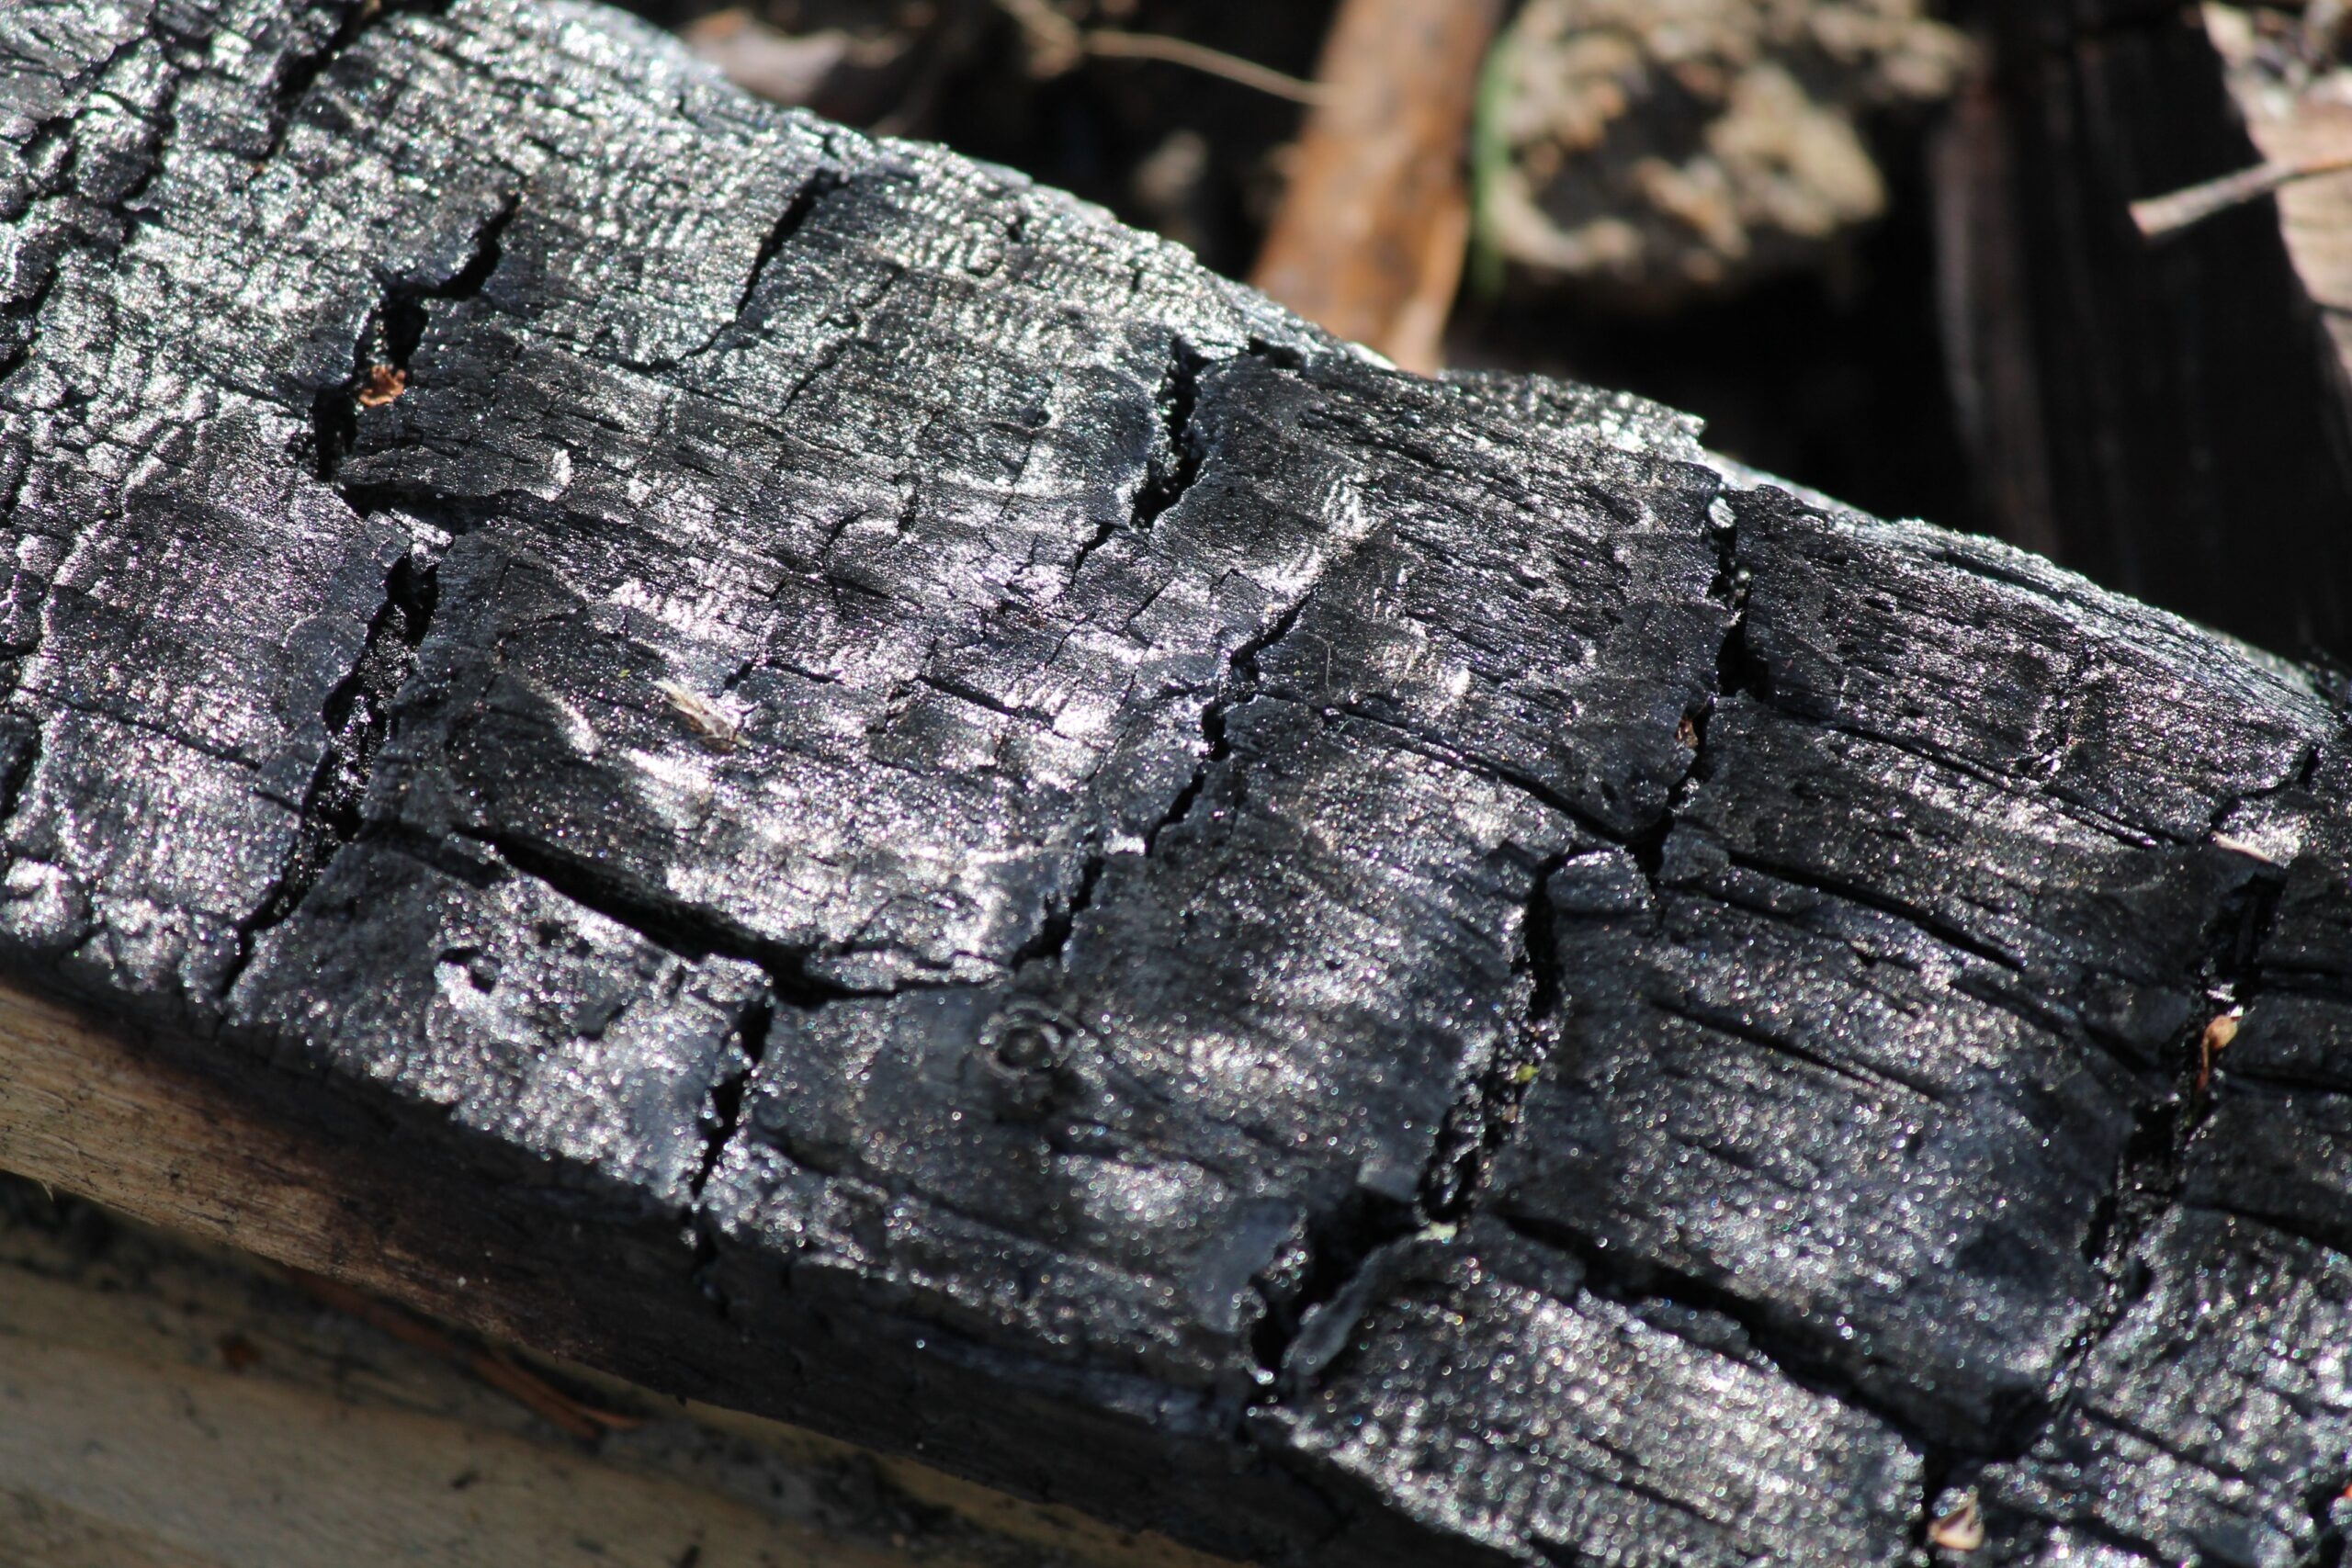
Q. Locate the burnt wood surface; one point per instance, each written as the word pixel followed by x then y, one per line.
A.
pixel 873 799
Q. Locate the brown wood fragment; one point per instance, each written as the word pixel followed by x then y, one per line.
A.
pixel 385 384
pixel 2216 1039
pixel 1370 238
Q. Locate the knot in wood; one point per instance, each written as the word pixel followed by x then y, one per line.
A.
pixel 1023 1056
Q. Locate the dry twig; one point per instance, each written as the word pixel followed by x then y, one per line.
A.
pixel 1056 44
pixel 2160 217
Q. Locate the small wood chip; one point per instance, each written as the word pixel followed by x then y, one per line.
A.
pixel 384 384
pixel 2246 847
pixel 714 725
pixel 1962 1530
pixel 2215 1040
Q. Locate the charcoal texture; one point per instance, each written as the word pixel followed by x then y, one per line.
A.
pixel 947 827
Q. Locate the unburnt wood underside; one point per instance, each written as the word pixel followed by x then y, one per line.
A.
pixel 176 1406
pixel 813 775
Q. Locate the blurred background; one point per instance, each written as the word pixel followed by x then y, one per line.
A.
pixel 1885 248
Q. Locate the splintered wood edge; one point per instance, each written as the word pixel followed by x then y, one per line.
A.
pixel 86 1112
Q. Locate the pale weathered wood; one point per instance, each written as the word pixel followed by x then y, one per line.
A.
pixel 86 1113
pixel 164 1405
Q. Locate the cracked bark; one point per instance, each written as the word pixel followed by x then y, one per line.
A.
pixel 357 716
pixel 885 804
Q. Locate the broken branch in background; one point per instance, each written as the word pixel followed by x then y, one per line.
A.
pixel 1056 44
pixel 2180 430
pixel 1110 43
pixel 2160 217
pixel 1370 237
pixel 2289 79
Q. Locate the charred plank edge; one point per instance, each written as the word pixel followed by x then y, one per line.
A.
pixel 91 1114
pixel 325 1169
